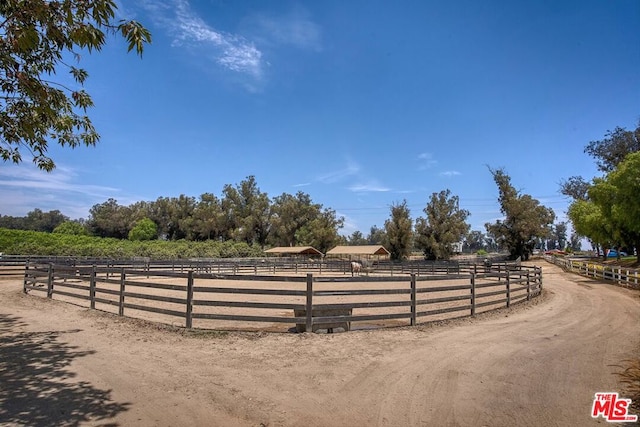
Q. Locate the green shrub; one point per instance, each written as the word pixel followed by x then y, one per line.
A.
pixel 20 242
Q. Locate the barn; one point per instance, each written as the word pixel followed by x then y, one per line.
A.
pixel 294 251
pixel 357 253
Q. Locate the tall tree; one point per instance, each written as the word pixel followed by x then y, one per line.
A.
pixel 357 239
pixel 35 38
pixel 560 234
pixel 399 231
pixel 444 225
pixel 173 215
pixel 109 219
pixel 588 220
pixel 290 215
pixel 617 197
pixel 612 150
pixel 248 210
pixel 525 218
pixel 376 236
pixel 38 220
pixel 474 241
pixel 603 210
pixel 321 232
pixel 208 218
pixel 575 242
pixel 575 187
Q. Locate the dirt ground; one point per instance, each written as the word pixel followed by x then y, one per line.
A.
pixel 537 363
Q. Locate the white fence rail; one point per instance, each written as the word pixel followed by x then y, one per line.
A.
pixel 622 276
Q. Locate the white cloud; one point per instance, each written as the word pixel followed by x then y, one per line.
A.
pixel 229 50
pixel 450 173
pixel 294 29
pixel 24 188
pixel 371 187
pixel 426 161
pixel 351 169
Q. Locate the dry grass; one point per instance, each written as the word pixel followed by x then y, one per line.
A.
pixel 630 377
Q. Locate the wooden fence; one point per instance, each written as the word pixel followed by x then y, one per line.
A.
pixel 622 276
pixel 304 302
pixel 255 266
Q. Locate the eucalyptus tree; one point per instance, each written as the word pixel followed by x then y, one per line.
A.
pixel 208 218
pixel 109 219
pixel 614 148
pixel 289 215
pixel 617 197
pixel 36 38
pixel 444 225
pixel 399 231
pixel 474 241
pixel 604 210
pixel 173 216
pixel 248 211
pixel 35 220
pixel 525 219
pixel 322 231
pixel 376 236
pixel 356 239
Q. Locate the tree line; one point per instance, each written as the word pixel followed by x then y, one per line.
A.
pixel 245 214
pixel 606 209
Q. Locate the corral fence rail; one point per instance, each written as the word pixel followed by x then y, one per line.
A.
pixel 307 301
pixel 270 265
pixel 621 276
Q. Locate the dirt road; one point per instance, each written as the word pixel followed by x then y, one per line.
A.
pixel 536 364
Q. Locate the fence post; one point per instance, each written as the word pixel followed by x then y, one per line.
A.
pixel 189 314
pixel 121 301
pixel 413 300
pixel 528 287
pixel 92 287
pixel 508 289
pixel 473 294
pixel 26 275
pixel 50 281
pixel 309 305
pixel 540 275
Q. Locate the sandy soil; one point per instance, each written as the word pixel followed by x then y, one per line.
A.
pixel 538 363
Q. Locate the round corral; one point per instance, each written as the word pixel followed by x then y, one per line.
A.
pixel 280 297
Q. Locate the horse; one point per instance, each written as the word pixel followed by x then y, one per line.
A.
pixel 356 268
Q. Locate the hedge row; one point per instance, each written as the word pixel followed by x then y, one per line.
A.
pixel 20 242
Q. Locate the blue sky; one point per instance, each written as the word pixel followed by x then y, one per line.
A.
pixel 360 104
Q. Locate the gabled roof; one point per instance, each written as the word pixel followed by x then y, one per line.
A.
pixel 294 250
pixel 359 250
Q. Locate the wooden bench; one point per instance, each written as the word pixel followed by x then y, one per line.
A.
pixel 324 312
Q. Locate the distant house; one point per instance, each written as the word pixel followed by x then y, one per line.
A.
pixel 457 247
pixel 359 252
pixel 294 251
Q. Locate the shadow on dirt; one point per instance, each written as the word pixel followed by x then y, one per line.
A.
pixel 37 389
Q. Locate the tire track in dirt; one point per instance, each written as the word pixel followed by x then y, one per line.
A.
pixel 536 364
pixel 530 367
